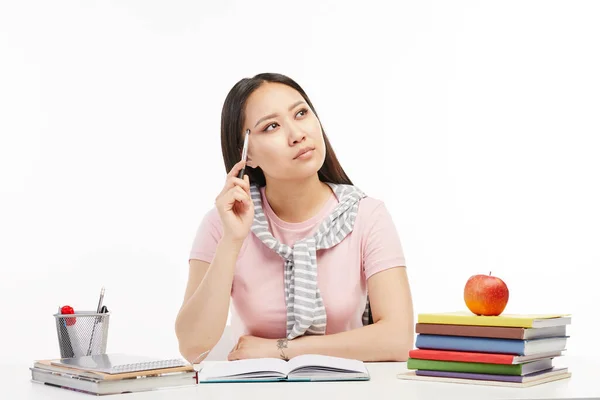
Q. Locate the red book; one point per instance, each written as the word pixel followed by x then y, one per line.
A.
pixel 466 356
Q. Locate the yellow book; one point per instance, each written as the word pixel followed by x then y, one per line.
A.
pixel 504 320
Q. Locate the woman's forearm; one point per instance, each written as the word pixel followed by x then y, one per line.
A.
pixel 201 320
pixel 382 341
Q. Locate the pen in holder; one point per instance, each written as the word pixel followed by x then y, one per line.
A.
pixel 82 333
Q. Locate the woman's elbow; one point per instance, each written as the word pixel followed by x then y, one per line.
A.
pixel 187 348
pixel 194 355
pixel 402 339
pixel 190 347
pixel 180 330
pixel 401 352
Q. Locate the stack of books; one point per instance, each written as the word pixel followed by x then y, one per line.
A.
pixel 113 373
pixel 506 350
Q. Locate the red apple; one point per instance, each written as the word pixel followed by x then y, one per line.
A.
pixel 486 295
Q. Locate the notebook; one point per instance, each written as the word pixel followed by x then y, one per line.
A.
pixel 118 363
pixel 47 365
pixel 308 367
pixel 107 387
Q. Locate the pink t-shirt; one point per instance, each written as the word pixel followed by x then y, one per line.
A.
pixel 258 302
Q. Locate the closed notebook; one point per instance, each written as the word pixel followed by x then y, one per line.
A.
pixel 508 320
pixel 117 386
pixel 491 345
pixel 309 367
pixel 47 365
pixel 118 363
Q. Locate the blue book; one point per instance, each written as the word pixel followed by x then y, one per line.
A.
pixel 491 345
pixel 309 367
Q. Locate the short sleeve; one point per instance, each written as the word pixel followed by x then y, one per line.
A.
pixel 207 237
pixel 382 248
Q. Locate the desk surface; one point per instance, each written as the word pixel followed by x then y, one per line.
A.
pixel 585 383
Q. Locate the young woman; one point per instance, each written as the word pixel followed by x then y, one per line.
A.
pixel 311 264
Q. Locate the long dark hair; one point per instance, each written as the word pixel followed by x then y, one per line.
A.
pixel 232 125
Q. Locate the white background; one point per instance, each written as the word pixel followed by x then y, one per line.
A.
pixel 476 122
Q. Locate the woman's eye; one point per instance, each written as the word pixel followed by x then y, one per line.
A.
pixel 302 112
pixel 273 125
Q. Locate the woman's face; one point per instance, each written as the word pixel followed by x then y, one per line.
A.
pixel 286 139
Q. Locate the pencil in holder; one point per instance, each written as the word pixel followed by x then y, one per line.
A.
pixel 84 333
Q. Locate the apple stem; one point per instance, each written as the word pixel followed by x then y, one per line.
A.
pixel 490 273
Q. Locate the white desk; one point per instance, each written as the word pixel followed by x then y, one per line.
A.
pixel 585 383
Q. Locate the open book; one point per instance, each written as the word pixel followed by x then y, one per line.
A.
pixel 309 367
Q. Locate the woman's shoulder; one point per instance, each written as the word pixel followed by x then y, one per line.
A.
pixel 211 220
pixel 372 211
pixel 213 214
pixel 369 205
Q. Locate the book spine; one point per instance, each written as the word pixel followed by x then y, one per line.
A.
pixel 462 356
pixel 475 320
pixel 453 366
pixel 471 330
pixel 472 344
pixel 469 375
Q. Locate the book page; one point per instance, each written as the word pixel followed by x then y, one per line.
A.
pixel 244 367
pixel 321 362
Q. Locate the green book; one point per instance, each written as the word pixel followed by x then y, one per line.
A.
pixel 480 368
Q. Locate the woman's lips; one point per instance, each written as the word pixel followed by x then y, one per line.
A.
pixel 305 153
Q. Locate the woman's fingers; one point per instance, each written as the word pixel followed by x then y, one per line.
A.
pixel 236 168
pixel 247 180
pixel 238 194
pixel 233 180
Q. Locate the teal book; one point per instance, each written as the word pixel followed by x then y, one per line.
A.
pixel 305 368
pixel 480 368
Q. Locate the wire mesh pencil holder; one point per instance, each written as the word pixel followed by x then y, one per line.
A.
pixel 84 333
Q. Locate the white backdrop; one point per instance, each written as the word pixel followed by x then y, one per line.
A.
pixel 476 122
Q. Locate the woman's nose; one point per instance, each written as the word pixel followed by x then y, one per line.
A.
pixel 296 134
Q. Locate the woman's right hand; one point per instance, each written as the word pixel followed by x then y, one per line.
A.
pixel 235 206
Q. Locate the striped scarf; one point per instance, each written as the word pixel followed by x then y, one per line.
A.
pixel 305 308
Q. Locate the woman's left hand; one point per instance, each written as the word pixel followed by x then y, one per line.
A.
pixel 254 347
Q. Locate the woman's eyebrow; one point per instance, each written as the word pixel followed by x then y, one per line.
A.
pixel 296 104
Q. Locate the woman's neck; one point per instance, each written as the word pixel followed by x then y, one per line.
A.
pixel 297 201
